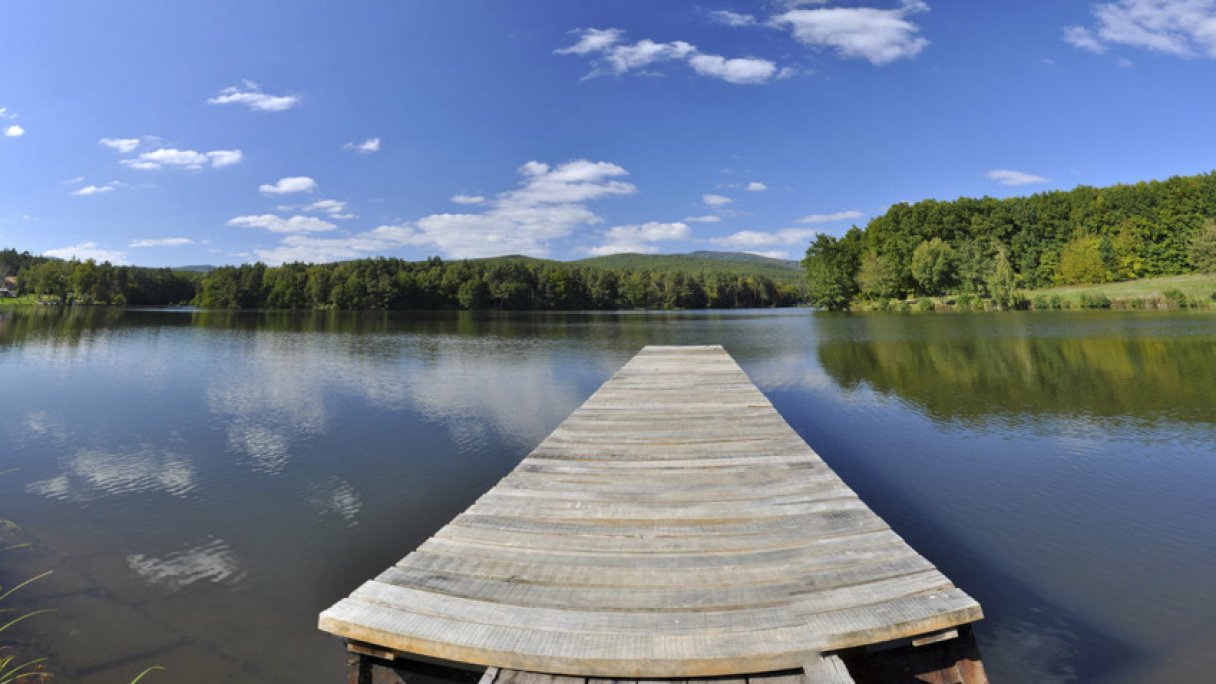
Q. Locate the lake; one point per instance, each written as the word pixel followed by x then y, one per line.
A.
pixel 203 483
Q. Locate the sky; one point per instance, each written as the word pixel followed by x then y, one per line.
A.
pixel 176 133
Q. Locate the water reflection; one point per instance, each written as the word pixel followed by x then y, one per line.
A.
pixel 1117 373
pixel 231 473
pixel 95 473
pixel 210 560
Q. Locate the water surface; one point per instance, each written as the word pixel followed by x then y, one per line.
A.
pixel 202 484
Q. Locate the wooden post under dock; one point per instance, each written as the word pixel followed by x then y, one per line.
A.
pixel 673 527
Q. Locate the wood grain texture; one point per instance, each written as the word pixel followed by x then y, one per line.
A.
pixel 673 526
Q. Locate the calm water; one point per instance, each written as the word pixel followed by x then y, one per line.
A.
pixel 202 484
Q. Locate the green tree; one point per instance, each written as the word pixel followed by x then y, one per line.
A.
pixel 933 266
pixel 1202 252
pixel 474 294
pixel 1081 262
pixel 1002 282
pixel 875 277
pixel 830 266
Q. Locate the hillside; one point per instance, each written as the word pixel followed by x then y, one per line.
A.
pixel 700 262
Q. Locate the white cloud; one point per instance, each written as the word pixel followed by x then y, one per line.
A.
pixel 278 224
pixel 160 242
pixel 756 186
pixel 772 254
pixel 468 199
pixel 548 204
pixel 366 147
pixel 639 239
pixel 14 131
pixel 1011 177
pixel 1083 38
pixel 740 71
pixel 710 218
pixel 221 158
pixel 289 185
pixel 332 208
pixel 322 250
pixel 250 94
pixel 88 250
pixel 122 145
pixel 593 40
pixel 880 36
pixel 828 218
pixel 167 157
pixel 715 200
pixel 1177 27
pixel 96 189
pixel 610 56
pixel 756 238
pixel 732 18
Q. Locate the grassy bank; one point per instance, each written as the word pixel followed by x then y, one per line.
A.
pixel 14 302
pixel 1196 291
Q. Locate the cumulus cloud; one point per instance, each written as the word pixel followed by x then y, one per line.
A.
pixel 756 186
pixel 711 200
pixel 549 203
pixel 221 158
pixel 1083 38
pixel 289 185
pixel 710 218
pixel 366 147
pixel 323 250
pixel 732 18
pixel 160 242
pixel 88 250
pixel 168 157
pixel 611 56
pixel 121 145
pixel 740 71
pixel 771 253
pixel 880 36
pixel 87 190
pixel 1011 177
pixel 250 94
pixel 639 239
pixel 756 238
pixel 332 208
pixel 278 224
pixel 1185 28
pixel 593 40
pixel 468 199
pixel 828 218
pixel 14 131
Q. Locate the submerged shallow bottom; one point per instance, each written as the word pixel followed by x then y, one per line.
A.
pixel 202 484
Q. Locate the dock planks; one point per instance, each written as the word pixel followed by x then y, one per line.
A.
pixel 674 525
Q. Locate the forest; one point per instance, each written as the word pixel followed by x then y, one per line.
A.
pixel 993 248
pixel 506 283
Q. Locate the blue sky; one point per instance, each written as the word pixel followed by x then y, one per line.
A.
pixel 172 133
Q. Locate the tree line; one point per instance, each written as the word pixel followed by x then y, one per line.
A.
pixel 397 284
pixel 992 247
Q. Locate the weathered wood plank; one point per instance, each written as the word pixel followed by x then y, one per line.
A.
pixel 673 526
pixel 828 669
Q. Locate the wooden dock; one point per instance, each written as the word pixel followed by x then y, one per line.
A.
pixel 673 526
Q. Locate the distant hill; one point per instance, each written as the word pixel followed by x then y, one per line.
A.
pixel 195 269
pixel 700 262
pixel 693 262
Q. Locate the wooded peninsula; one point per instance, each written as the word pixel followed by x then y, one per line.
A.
pixel 988 251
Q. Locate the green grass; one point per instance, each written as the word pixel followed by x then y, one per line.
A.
pixel 13 302
pixel 1195 286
